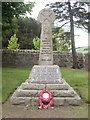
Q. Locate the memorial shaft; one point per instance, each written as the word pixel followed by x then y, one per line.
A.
pixel 46 17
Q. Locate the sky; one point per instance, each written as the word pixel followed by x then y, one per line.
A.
pixel 81 37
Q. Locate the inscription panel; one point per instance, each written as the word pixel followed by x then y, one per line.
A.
pixel 45 74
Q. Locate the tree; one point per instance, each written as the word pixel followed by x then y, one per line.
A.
pixel 12 43
pixel 65 12
pixel 74 55
pixel 62 41
pixel 28 29
pixel 11 10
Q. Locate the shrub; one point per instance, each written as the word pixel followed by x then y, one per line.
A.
pixel 36 42
pixel 12 43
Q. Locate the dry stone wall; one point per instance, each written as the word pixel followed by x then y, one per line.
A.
pixel 31 57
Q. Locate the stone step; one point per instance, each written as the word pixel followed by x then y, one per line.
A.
pixel 28 93
pixel 36 93
pixel 63 93
pixel 76 100
pixel 57 86
pixel 24 100
pixel 32 86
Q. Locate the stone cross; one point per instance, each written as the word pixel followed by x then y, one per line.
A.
pixel 46 17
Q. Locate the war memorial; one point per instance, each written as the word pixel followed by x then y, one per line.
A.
pixel 45 75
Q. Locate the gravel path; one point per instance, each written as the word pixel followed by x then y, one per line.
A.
pixel 18 111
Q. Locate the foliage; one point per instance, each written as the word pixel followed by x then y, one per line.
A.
pixel 12 43
pixel 78 9
pixel 36 42
pixel 11 11
pixel 8 30
pixel 13 77
pixel 28 29
pixel 61 40
pixel 75 13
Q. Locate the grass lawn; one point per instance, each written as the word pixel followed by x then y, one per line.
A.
pixel 78 79
pixel 13 77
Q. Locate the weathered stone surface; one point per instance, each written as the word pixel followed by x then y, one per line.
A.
pixel 60 96
pixel 73 101
pixel 30 58
pixel 31 86
pixel 63 93
pixel 35 86
pixel 54 88
pixel 24 101
pixel 26 93
pixel 76 100
pixel 46 17
pixel 57 86
pixel 36 93
pixel 58 101
pixel 19 100
pixel 35 101
pixel 45 74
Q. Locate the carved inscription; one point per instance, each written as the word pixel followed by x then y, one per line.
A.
pixel 46 17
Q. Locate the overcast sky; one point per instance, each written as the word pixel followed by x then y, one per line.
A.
pixel 81 37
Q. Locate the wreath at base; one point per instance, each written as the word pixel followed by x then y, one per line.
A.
pixel 45 99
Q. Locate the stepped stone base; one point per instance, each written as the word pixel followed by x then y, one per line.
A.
pixel 34 101
pixel 28 92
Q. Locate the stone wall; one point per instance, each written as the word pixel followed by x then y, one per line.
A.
pixel 31 57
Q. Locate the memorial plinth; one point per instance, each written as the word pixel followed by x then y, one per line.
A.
pixel 45 75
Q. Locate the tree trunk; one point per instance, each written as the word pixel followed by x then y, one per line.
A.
pixel 74 55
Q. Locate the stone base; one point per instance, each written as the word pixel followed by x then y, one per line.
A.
pixel 46 74
pixel 28 93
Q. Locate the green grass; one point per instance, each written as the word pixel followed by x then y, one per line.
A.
pixel 78 79
pixel 13 77
pixel 83 49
